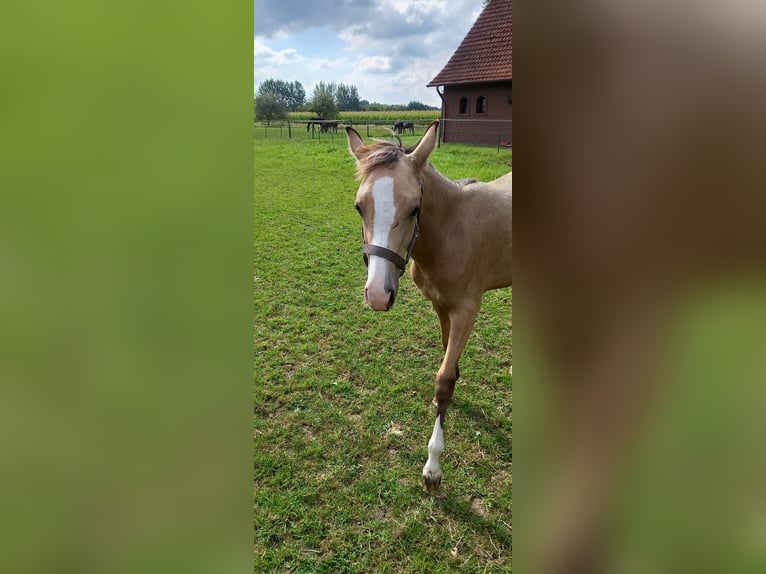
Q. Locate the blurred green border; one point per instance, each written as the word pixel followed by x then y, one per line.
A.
pixel 126 291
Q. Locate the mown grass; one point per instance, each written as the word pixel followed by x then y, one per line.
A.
pixel 342 395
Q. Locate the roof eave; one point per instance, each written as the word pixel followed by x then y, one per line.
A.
pixel 433 83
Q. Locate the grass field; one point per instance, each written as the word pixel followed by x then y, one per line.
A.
pixel 342 395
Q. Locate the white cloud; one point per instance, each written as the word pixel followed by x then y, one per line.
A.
pixel 264 55
pixel 389 49
pixel 373 64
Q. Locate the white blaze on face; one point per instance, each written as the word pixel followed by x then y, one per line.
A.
pixel 383 219
pixel 383 200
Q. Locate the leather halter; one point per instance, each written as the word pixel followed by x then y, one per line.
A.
pixel 393 256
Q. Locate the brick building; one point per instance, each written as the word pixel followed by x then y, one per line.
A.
pixel 475 85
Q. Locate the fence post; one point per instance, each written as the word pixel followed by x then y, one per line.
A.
pixel 289 131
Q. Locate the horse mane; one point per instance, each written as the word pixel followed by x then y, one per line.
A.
pixel 384 153
pixel 381 153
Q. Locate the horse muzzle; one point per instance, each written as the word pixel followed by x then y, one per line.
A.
pixel 379 302
pixel 382 285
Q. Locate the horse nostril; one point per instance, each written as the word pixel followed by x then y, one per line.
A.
pixel 391 299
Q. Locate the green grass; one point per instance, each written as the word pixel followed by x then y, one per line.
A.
pixel 457 161
pixel 342 395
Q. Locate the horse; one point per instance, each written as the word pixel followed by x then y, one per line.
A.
pixel 458 236
pixel 324 126
pixel 311 123
pixel 330 126
pixel 402 126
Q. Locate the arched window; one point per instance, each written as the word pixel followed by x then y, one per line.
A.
pixel 463 109
pixel 481 105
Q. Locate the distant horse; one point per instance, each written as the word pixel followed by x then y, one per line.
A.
pixel 330 126
pixel 459 237
pixel 323 125
pixel 401 126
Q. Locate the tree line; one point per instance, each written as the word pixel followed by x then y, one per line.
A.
pixel 275 98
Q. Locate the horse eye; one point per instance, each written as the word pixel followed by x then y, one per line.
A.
pixel 415 212
pixel 358 208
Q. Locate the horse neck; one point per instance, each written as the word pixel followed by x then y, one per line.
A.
pixel 438 209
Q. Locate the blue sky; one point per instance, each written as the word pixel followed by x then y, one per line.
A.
pixel 389 49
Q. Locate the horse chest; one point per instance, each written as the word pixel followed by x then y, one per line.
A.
pixel 434 285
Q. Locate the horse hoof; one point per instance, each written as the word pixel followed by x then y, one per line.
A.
pixel 431 483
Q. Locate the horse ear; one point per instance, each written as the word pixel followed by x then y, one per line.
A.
pixel 355 142
pixel 425 146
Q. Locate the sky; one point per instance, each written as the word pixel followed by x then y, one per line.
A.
pixel 388 49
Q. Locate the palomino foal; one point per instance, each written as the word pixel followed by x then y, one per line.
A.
pixel 459 237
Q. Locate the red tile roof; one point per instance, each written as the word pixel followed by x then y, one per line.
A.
pixel 485 55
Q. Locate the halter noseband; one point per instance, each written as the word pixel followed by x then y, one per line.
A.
pixel 393 256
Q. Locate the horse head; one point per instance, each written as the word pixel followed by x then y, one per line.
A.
pixel 389 201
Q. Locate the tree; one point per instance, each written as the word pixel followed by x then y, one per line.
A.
pixel 296 96
pixel 347 98
pixel 415 105
pixel 273 86
pixel 269 107
pixel 291 94
pixel 323 101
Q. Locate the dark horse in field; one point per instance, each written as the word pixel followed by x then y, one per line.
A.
pixel 401 126
pixel 459 237
pixel 330 126
pixel 325 126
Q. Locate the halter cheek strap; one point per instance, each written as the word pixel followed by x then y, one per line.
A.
pixel 393 256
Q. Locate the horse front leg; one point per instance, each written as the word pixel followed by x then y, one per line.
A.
pixel 460 323
pixel 444 324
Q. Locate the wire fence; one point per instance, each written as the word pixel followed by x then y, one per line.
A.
pixel 483 132
pixel 326 129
